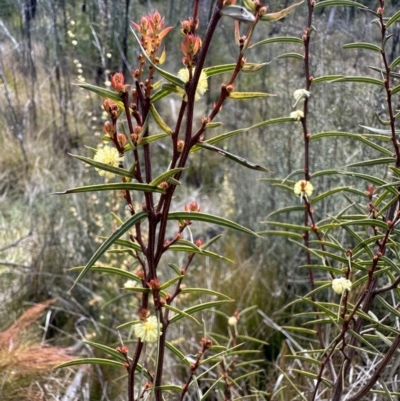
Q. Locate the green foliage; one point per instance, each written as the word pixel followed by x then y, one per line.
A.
pixel 161 254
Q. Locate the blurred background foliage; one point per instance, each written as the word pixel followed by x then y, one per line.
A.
pixel 47 46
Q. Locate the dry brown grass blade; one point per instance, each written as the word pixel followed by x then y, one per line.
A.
pixel 21 354
pixel 23 322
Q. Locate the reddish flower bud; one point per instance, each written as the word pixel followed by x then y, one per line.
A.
pixel 121 140
pixel 109 128
pixel 117 82
pixel 108 105
pixel 193 207
pixel 191 45
pixel 164 185
pixel 180 145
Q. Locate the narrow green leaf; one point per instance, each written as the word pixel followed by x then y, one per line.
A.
pixel 294 386
pixel 251 339
pixel 246 375
pixel 395 63
pixel 135 219
pixel 181 314
pixel 365 80
pixel 178 353
pixel 165 90
pixel 377 130
pixel 393 311
pixel 324 307
pixel 170 282
pixel 325 78
pixel 287 210
pixel 395 90
pixel 324 172
pixel 364 341
pixel 326 3
pixel 286 234
pixel 366 222
pixel 197 308
pixel 128 324
pixel 111 270
pixel 152 138
pixel 302 330
pixel 253 67
pixel 381 120
pixel 326 268
pixel 168 76
pixel 90 361
pixel 220 69
pixel 362 45
pixel 204 291
pixel 164 176
pixel 211 389
pixel 115 170
pixel 126 244
pixel 209 218
pixel 113 187
pixel 238 13
pixel 279 39
pixel 289 226
pixel 272 17
pixel 373 162
pixel 292 55
pixel 249 4
pixel 382 71
pixel 212 125
pixel 199 251
pixel 393 19
pixel 248 95
pixel 219 138
pixel 227 351
pixel 304 358
pixel 358 137
pixel 161 123
pixel 371 179
pixel 272 121
pixel 313 376
pixel 104 93
pixel 233 157
pixel 175 268
pixel 328 193
pixel 106 349
pixel 210 242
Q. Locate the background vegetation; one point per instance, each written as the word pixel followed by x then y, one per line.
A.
pixel 48 45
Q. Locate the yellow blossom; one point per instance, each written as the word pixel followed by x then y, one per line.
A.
pixel 148 330
pixel 232 321
pixel 202 85
pixel 303 187
pixel 110 156
pixel 340 285
pixel 298 114
pixel 301 94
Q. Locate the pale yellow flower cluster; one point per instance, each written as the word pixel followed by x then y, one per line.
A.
pixel 301 94
pixel 303 187
pixel 110 156
pixel 340 285
pixel 297 114
pixel 202 85
pixel 148 330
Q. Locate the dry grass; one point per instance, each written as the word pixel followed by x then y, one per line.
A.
pixel 25 363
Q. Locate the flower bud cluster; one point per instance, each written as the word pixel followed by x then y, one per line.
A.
pixel 152 32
